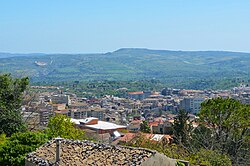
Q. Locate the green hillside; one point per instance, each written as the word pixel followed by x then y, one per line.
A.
pixel 129 64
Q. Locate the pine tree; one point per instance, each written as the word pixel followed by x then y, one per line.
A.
pixel 11 95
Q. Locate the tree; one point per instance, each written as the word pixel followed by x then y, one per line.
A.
pixel 3 139
pixel 61 126
pixel 11 92
pixel 228 123
pixel 181 127
pixel 209 158
pixel 14 150
pixel 144 126
pixel 199 137
pixel 200 157
pixel 29 97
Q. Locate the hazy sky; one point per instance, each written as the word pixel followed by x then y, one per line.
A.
pixel 84 26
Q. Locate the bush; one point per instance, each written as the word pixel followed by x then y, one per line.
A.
pixel 14 150
pixel 209 158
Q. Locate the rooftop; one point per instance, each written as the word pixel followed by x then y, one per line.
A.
pixel 136 93
pixel 88 153
pixel 102 125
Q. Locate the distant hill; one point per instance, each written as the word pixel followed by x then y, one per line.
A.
pixel 128 64
pixel 8 55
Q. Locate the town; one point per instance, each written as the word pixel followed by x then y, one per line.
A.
pixel 114 120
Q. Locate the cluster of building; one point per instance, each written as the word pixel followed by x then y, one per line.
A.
pixel 111 119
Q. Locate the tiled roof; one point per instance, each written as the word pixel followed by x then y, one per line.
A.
pixel 88 153
pixel 136 122
pixel 154 123
pixel 127 137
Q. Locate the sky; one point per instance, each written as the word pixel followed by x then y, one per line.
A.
pixel 98 26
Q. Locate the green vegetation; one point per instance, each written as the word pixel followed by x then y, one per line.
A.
pixel 229 123
pixel 221 138
pixel 11 91
pixel 144 127
pixel 61 126
pixel 181 128
pixel 117 88
pixel 2 139
pixel 180 163
pixel 13 151
pixel 200 157
pixel 178 69
pixel 209 158
pixel 15 140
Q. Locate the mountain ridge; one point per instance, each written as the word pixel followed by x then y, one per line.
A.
pixel 12 54
pixel 129 64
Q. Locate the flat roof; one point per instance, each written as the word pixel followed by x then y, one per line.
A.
pixel 105 126
pixel 102 125
pixel 136 93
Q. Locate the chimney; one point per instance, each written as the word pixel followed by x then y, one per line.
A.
pixel 58 141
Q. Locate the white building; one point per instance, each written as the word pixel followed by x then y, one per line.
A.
pixel 191 104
